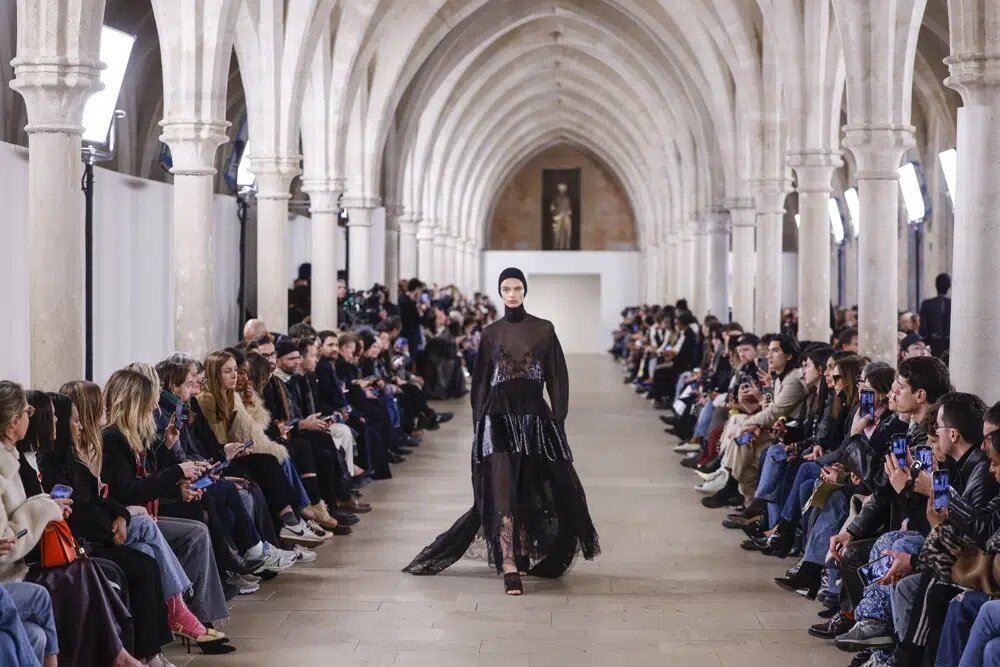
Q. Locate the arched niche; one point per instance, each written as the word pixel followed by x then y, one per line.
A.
pixel 607 221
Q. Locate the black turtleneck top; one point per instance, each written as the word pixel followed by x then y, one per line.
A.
pixel 518 356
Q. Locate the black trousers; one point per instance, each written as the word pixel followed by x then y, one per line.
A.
pixel 330 468
pixel 856 555
pixel 265 470
pixel 144 598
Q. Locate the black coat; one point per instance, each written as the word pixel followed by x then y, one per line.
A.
pixel 134 479
pixel 329 396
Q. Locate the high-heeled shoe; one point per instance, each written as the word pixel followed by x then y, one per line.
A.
pixel 186 625
pixel 512 583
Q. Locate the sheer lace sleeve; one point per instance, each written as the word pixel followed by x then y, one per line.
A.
pixel 482 370
pixel 557 378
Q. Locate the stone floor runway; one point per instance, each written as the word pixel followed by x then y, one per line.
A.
pixel 671 588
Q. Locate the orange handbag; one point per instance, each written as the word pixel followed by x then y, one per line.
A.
pixel 58 546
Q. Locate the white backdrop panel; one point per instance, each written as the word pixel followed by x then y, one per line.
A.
pixel 133 270
pixel 573 304
pixel 618 271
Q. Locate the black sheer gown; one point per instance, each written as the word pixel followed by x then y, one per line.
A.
pixel 528 498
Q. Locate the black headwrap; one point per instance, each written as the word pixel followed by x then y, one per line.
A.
pixel 513 314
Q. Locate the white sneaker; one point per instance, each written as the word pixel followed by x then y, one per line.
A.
pixel 713 485
pixel 246 584
pixel 286 558
pixel 159 661
pixel 687 447
pixel 304 555
pixel 299 534
pixel 710 475
pixel 319 531
pixel 275 560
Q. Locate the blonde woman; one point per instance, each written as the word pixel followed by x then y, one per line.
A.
pixel 129 470
pixel 77 591
pixel 235 413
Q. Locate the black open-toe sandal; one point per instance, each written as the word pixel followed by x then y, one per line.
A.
pixel 512 583
pixel 523 564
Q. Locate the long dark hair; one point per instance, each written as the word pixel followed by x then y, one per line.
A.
pixel 41 427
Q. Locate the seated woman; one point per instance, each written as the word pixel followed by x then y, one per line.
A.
pixel 78 590
pixel 235 537
pixel 129 471
pixel 130 541
pixel 239 416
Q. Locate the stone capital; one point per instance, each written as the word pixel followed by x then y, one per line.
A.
pixel 425 230
pixel 450 242
pixel 323 194
pixel 975 76
pixel 814 169
pixel 770 195
pixel 275 175
pixel 361 201
pixel 193 145
pixel 877 149
pixel 55 91
pixel 408 223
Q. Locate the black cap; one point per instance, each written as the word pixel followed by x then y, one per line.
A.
pixel 284 347
pixel 748 339
pixel 908 340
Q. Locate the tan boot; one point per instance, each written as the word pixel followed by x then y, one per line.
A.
pixel 309 512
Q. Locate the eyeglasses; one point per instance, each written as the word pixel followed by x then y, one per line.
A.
pixel 30 410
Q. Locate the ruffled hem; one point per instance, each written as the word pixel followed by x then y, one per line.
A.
pixel 520 434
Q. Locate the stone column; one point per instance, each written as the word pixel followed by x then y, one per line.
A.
pixel 438 270
pixel 274 177
pixel 392 215
pixel 323 195
pixel 475 266
pixel 450 268
pixel 359 234
pixel 425 250
pixel 814 170
pixel 193 147
pixel 975 308
pixel 718 259
pixel 688 264
pixel 408 245
pixel 770 204
pixel 56 72
pixel 669 245
pixel 652 273
pixel 877 152
pixel 702 267
pixel 744 260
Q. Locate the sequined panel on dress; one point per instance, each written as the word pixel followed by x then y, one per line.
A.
pixel 523 434
pixel 506 367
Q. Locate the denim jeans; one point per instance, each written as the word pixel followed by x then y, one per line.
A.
pixel 293 478
pixel 983 649
pixel 876 603
pixel 827 524
pixel 774 482
pixel 37 637
pixel 704 420
pixel 145 536
pixel 805 477
pixel 962 613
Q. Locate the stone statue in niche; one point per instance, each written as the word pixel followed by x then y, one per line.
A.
pixel 561 209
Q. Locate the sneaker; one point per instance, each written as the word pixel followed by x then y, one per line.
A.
pixel 159 661
pixel 287 557
pixel 304 555
pixel 275 560
pixel 299 534
pixel 861 659
pixel 247 586
pixel 319 531
pixel 866 633
pixel 687 448
pixel 875 661
pixel 713 485
pixel 711 475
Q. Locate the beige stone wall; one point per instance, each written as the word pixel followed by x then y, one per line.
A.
pixel 607 222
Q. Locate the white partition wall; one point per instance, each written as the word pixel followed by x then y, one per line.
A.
pixel 572 302
pixel 133 270
pixel 617 272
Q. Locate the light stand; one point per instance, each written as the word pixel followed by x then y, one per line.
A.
pixel 92 154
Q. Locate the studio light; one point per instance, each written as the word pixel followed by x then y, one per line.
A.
pixel 854 208
pixel 913 198
pixel 836 220
pixel 116 48
pixel 949 165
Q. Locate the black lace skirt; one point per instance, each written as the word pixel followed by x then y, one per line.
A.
pixel 526 503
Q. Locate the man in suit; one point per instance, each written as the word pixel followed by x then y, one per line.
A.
pixel 935 316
